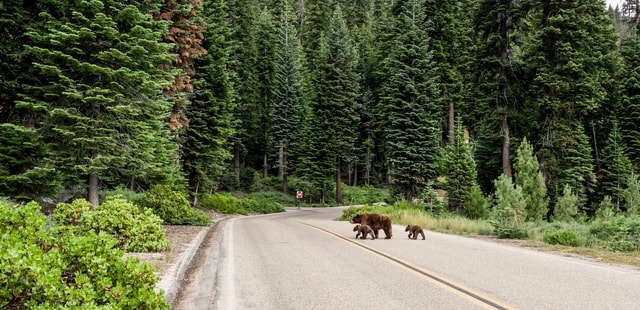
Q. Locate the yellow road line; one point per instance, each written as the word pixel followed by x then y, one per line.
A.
pixel 476 297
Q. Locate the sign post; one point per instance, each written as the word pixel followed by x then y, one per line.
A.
pixel 298 198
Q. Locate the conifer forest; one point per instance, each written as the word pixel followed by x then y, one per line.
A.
pixel 535 99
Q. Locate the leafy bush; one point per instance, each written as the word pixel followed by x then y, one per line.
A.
pixel 261 205
pixel 477 207
pixel 70 213
pixel 223 203
pixel 507 231
pixel 365 194
pixel 276 197
pixel 619 233
pixel 135 231
pixel 173 207
pixel 52 268
pixel 129 195
pixel 561 237
pixel 350 212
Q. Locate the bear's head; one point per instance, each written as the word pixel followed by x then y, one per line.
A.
pixel 356 219
pixel 356 228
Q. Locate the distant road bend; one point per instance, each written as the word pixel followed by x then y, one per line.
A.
pixel 306 259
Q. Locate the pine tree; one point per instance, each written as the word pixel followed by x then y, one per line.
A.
pixel 339 91
pixel 631 194
pixel 266 38
pixel 286 109
pixel 99 90
pixel 461 170
pixel 529 178
pixel 498 73
pixel 409 104
pixel 629 113
pixel 566 207
pixel 206 149
pixel 185 32
pixel 248 138
pixel 25 172
pixel 509 209
pixel 443 25
pixel 615 166
pixel 567 59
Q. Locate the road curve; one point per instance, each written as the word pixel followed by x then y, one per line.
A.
pixel 306 259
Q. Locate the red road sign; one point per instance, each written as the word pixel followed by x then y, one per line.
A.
pixel 299 194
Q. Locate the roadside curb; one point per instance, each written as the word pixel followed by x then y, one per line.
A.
pixel 172 278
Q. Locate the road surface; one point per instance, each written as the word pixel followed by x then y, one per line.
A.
pixel 306 259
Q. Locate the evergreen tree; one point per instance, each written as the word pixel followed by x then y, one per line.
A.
pixel 409 104
pixel 461 170
pixel 568 62
pixel 566 207
pixel 286 109
pixel 631 194
pixel 509 209
pixel 99 91
pixel 338 90
pixel 207 140
pixel 248 139
pixel 185 32
pixel 629 113
pixel 529 178
pixel 266 38
pixel 443 25
pixel 498 73
pixel 615 166
pixel 25 172
pixel 477 206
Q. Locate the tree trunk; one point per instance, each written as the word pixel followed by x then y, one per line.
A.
pixel 195 196
pixel 595 142
pixel 367 168
pixel 236 162
pixel 93 190
pixel 285 186
pixel 265 165
pixel 338 183
pixel 506 162
pixel 451 123
pixel 280 160
pixel 355 175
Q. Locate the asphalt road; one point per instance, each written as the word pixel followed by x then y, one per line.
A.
pixel 305 259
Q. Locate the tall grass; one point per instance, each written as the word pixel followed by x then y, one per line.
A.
pixel 405 213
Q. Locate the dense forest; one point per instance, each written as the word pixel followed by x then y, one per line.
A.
pixel 422 97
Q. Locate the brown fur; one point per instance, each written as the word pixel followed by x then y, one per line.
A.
pixel 364 230
pixel 376 222
pixel 414 230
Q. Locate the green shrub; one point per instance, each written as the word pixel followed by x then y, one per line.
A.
pixel 223 203
pixel 365 194
pixel 506 231
pixel 350 212
pixel 618 233
pixel 276 197
pixel 135 231
pixel 70 213
pixel 477 207
pixel 260 205
pixel 129 195
pixel 52 268
pixel 561 237
pixel 172 207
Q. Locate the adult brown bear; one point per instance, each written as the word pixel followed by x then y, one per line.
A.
pixel 376 222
